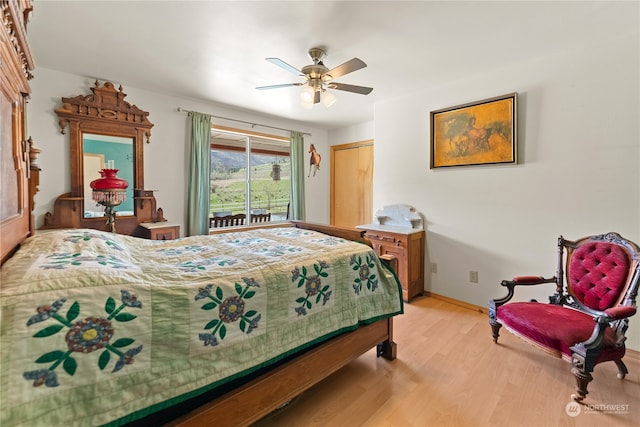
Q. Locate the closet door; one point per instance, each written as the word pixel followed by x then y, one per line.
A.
pixel 352 184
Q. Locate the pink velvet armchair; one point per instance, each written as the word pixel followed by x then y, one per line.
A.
pixel 586 320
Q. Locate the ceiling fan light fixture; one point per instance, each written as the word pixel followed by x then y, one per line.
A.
pixel 328 99
pixel 307 95
pixel 319 78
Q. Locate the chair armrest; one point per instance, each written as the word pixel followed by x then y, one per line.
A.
pixel 529 280
pixel 580 351
pixel 511 284
pixel 600 325
pixel 620 312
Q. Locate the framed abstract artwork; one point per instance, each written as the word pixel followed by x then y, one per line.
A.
pixel 478 133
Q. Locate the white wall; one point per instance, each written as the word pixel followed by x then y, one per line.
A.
pixel 166 157
pixel 356 133
pixel 578 174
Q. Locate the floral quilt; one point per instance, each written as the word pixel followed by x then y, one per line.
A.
pixel 99 328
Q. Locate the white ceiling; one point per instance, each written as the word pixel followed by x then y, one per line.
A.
pixel 215 51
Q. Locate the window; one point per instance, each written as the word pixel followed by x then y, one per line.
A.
pixel 250 175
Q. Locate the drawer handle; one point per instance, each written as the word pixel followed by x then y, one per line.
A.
pixel 373 236
pixel 388 238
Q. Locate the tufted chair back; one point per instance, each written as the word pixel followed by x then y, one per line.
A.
pixel 598 273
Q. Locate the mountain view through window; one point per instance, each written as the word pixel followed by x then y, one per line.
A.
pixel 250 176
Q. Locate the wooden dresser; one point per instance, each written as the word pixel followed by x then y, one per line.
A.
pixel 407 246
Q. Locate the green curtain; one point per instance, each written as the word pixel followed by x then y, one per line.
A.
pixel 297 176
pixel 199 175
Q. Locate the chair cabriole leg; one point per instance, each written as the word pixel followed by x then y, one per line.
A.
pixel 495 330
pixel 582 381
pixel 493 320
pixel 622 369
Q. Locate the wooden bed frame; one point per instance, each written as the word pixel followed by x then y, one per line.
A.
pixel 20 176
pixel 268 392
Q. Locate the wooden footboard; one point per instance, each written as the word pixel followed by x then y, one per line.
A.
pixel 343 232
pixel 258 398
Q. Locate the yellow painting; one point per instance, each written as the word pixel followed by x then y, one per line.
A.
pixel 478 133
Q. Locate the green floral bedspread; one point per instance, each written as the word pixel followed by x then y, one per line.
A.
pixel 99 328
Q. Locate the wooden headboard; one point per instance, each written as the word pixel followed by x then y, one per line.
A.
pixel 19 179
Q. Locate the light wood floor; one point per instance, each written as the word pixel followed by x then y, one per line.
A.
pixel 450 373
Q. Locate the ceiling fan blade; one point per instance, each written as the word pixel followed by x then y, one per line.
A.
pixel 362 90
pixel 279 86
pixel 316 97
pixel 280 63
pixel 346 68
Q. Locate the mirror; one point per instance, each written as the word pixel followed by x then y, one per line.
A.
pixel 100 151
pixel 103 127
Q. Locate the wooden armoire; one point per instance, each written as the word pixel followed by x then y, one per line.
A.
pixel 16 152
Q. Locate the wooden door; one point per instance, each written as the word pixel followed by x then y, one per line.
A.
pixel 352 184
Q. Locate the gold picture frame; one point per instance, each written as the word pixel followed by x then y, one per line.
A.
pixel 478 133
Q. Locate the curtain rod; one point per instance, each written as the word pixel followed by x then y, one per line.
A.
pixel 182 110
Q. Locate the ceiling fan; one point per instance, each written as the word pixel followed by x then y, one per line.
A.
pixel 319 78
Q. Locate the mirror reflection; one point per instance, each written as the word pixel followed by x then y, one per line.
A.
pixel 100 152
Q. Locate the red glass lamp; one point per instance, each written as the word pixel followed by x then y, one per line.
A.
pixel 109 191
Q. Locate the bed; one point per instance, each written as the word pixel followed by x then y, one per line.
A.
pixel 105 329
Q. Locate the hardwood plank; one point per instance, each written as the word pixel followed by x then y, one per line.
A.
pixel 450 373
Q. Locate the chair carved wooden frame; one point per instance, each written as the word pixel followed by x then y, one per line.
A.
pixel 586 320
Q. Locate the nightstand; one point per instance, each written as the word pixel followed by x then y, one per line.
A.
pixel 158 231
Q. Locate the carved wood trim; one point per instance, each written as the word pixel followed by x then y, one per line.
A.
pixel 15 14
pixel 106 104
pixel 34 180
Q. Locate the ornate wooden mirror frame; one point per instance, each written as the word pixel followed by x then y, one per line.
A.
pixel 105 112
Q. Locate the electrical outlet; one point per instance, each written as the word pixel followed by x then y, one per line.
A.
pixel 434 267
pixel 473 276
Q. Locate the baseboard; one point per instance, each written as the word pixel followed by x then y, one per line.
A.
pixel 457 302
pixel 633 354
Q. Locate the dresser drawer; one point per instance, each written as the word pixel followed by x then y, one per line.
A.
pixel 158 231
pixel 167 233
pixel 385 238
